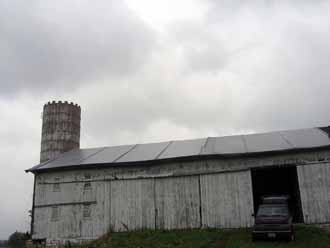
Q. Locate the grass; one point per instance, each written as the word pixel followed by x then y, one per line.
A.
pixel 306 237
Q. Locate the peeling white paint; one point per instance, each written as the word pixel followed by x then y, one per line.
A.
pixel 177 202
pixel 207 193
pixel 227 200
pixel 314 184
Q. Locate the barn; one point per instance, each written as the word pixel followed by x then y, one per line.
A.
pixel 214 182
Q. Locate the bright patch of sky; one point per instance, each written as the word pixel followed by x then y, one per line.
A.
pixel 159 14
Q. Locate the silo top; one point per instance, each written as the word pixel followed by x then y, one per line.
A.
pixel 60 129
pixel 55 107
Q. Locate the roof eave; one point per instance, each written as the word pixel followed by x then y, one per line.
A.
pixel 35 169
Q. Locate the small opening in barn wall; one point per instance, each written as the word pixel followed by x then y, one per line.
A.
pixel 87 211
pixel 55 213
pixel 277 181
pixel 56 185
pixel 87 186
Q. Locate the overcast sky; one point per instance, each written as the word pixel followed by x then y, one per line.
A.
pixel 149 70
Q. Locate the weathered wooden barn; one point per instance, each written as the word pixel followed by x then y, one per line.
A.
pixel 211 182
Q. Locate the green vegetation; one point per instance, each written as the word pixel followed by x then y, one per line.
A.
pixel 18 239
pixel 3 243
pixel 305 237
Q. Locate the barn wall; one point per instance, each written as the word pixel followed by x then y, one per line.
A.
pixel 314 184
pixel 66 193
pixel 224 200
pixel 227 200
pixel 177 202
pixel 70 200
pixel 68 225
pixel 203 193
pixel 132 205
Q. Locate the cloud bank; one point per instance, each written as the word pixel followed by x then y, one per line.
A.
pixel 144 74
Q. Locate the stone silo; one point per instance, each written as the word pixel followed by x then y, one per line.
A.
pixel 60 129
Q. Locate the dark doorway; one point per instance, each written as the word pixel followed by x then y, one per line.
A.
pixel 277 181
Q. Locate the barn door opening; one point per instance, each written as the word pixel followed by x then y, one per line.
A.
pixel 277 181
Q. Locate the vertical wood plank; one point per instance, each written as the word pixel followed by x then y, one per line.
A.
pixel 227 200
pixel 314 184
pixel 177 202
pixel 132 204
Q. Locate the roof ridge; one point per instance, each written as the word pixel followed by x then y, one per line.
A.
pixel 207 138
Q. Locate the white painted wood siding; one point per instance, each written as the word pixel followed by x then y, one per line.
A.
pixel 68 193
pixel 227 200
pixel 314 184
pixel 132 205
pixel 71 224
pixel 68 225
pixel 177 202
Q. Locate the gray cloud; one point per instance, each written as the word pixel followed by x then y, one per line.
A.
pixel 64 44
pixel 19 144
pixel 227 76
pixel 244 67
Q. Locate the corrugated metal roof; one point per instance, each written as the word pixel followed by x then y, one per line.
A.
pixel 266 142
pixel 306 138
pixel 224 145
pixel 144 152
pixel 233 145
pixel 183 148
pixel 73 157
pixel 108 154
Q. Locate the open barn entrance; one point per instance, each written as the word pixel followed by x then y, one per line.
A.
pixel 277 181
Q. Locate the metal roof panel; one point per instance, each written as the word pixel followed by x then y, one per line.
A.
pixel 183 148
pixel 144 152
pixel 306 138
pixel 266 142
pixel 108 155
pixel 73 157
pixel 224 145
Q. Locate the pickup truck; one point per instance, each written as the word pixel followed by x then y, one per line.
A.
pixel 273 219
